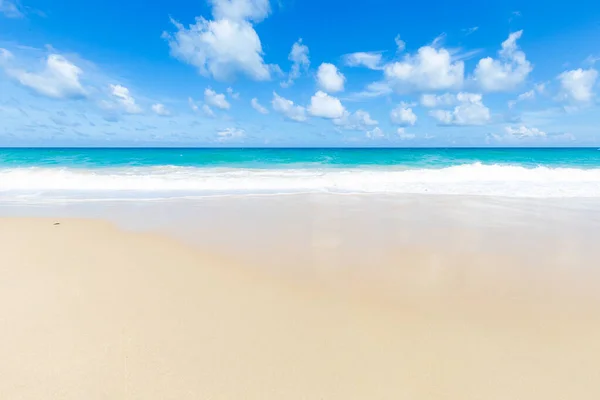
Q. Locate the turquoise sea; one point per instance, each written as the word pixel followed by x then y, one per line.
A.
pixel 92 173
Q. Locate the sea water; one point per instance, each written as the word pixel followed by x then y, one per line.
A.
pixel 78 174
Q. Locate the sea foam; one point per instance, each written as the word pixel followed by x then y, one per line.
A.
pixel 176 181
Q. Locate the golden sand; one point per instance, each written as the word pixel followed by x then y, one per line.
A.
pixel 91 312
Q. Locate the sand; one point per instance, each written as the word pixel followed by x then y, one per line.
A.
pixel 88 311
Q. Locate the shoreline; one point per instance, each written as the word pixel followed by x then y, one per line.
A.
pixel 92 311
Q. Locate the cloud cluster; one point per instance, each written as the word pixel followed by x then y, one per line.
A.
pixel 59 78
pixel 470 110
pixel 288 108
pixel 359 120
pixel 160 109
pixel 299 58
pixel 330 79
pixel 523 131
pixel 403 135
pixel 429 69
pixel 403 115
pixel 578 85
pixel 371 60
pixel 123 100
pixel 258 107
pixel 215 99
pixel 227 45
pixel 506 72
pixel 326 106
pixel 229 134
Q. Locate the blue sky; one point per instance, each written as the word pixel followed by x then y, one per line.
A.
pixel 298 73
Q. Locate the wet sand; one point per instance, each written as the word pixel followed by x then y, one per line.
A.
pixel 89 310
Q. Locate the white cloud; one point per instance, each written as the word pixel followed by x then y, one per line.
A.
pixel 508 71
pixel 402 115
pixel 5 56
pixel 230 134
pixel 208 111
pixel 330 79
pixel 540 87
pixel 326 106
pixel 288 108
pixel 227 45
pixel 400 44
pixel 358 121
pixel 160 109
pixel 192 104
pixel 371 60
pixel 124 99
pixel 522 131
pixel 529 95
pixel 10 9
pixel 578 85
pixel 429 69
pixel 439 40
pixel 240 10
pixel 375 133
pixel 374 89
pixel 432 100
pixel 58 79
pixel 256 105
pixel 469 31
pixel 299 57
pixel 233 94
pixel 469 111
pixel 215 99
pixel 403 135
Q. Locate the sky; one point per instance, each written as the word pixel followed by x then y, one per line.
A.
pixel 288 73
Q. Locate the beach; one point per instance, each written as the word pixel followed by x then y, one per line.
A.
pixel 299 274
pixel 99 309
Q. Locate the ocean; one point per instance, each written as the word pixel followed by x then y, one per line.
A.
pixel 87 174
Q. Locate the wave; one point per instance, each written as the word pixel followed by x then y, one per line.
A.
pixel 174 181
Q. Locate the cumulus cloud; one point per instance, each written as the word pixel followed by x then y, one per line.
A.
pixel 529 95
pixel 240 10
pixel 523 131
pixel 330 79
pixel 432 100
pixel 578 85
pixel 371 60
pixel 215 99
pixel 403 135
pixel 400 44
pixel 208 111
pixel 227 45
pixel 59 78
pixel 10 9
pixel 160 109
pixel 508 71
pixel 288 108
pixel 299 58
pixel 230 134
pixel 358 121
pixel 192 104
pixel 429 69
pixel 123 100
pixel 233 94
pixel 258 107
pixel 403 115
pixel 469 111
pixel 375 133
pixel 326 106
